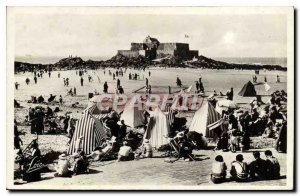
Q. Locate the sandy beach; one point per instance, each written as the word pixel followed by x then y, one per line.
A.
pixel 149 170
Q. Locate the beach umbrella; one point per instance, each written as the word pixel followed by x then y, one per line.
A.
pixel 225 105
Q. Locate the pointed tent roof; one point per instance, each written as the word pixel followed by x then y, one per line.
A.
pixel 158 129
pixel 91 129
pixel 132 116
pixel 206 119
pixel 248 90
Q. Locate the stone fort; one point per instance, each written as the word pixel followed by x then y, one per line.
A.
pixel 152 49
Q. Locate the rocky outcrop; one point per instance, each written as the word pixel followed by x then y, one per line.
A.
pixel 141 62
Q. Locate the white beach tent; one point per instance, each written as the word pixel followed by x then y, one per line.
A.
pixel 158 129
pixel 205 120
pixel 132 116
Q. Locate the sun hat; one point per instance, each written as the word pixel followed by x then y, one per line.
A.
pixel 62 156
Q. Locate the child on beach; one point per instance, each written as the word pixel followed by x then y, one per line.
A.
pixel 219 168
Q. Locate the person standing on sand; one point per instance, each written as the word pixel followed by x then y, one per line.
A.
pixel 266 79
pixel 49 73
pixel 27 81
pixel 281 142
pixel 197 87
pixel 35 79
pixel 60 100
pixel 105 87
pixel 17 85
pixel 277 79
pixel 149 73
pixel 81 81
pixel 74 91
pixel 67 81
pixel 118 83
pixel 147 82
pixel 58 75
pixel 39 125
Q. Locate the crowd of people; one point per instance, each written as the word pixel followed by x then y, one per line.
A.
pixel 269 121
pixel 125 144
pixel 257 170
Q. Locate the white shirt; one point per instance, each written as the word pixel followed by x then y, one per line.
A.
pixel 125 150
pixel 63 167
pixel 218 167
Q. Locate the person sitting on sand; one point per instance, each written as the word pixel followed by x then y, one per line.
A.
pixel 80 164
pixel 234 140
pixel 257 167
pixel 35 151
pixel 40 99
pixel 63 167
pixel 147 149
pixel 223 141
pixel 239 169
pixel 121 90
pixel 99 153
pixel 70 92
pixel 219 168
pixel 125 153
pixel 272 166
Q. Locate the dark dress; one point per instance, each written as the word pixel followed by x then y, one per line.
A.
pixel 281 143
pixel 258 169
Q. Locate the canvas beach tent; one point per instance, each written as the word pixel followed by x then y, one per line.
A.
pixel 248 90
pixel 132 116
pixel 90 128
pixel 158 129
pixel 205 120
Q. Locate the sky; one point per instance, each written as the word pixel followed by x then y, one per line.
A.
pixel 101 35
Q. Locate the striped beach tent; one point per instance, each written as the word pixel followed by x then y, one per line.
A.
pixel 170 114
pixel 91 129
pixel 205 120
pixel 158 129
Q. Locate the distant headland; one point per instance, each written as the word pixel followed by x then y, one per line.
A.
pixel 149 53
